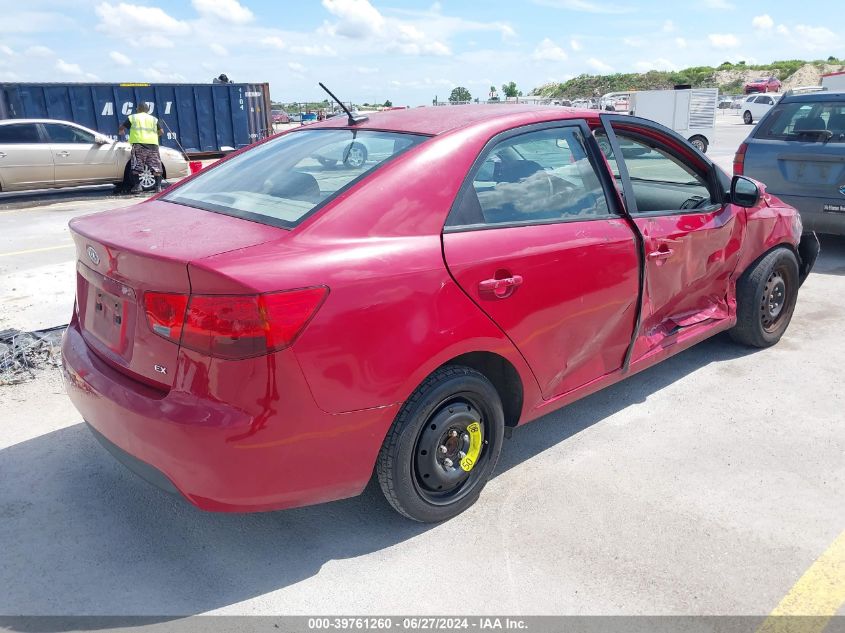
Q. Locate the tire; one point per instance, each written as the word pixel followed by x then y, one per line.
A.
pixel 420 467
pixel 700 143
pixel 147 180
pixel 355 156
pixel 766 294
pixel 747 118
pixel 327 162
pixel 604 146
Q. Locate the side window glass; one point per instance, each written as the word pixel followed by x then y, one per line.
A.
pixel 59 133
pixel 17 133
pixel 537 176
pixel 661 181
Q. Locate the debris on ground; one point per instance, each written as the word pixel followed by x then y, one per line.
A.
pixel 21 353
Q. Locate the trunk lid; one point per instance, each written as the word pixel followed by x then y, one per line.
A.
pixel 124 253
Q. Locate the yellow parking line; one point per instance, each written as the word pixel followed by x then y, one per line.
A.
pixel 819 593
pixel 37 250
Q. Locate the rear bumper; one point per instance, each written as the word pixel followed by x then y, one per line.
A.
pixel 228 450
pixel 812 215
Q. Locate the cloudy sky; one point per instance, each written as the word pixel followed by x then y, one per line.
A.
pixel 404 50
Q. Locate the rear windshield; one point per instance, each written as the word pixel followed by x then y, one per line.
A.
pixel 284 180
pixel 805 121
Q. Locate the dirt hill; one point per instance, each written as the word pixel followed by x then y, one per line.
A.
pixel 729 78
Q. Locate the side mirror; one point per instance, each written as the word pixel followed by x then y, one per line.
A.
pixel 744 192
pixel 102 140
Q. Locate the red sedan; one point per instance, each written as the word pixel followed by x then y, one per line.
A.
pixel 765 84
pixel 273 330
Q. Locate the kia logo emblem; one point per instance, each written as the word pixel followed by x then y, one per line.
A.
pixel 92 255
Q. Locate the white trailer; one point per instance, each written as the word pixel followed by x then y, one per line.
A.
pixel 691 113
pixel 834 82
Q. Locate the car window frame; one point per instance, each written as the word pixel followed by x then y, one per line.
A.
pixel 716 185
pixel 39 132
pixel 592 151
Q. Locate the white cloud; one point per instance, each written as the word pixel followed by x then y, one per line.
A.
pixel 154 74
pixel 296 67
pixel 139 25
pixel 680 42
pixel 227 10
pixel 600 66
pixel 218 49
pixel 782 29
pixel 360 20
pixel 719 4
pixel 67 68
pixel 817 38
pixel 7 51
pixel 575 45
pixel 272 42
pixel 366 70
pixel 634 42
pixel 723 40
pixel 39 51
pixel 763 22
pixel 660 63
pixel 547 50
pixel 120 59
pixel 585 6
pixel 669 27
pixel 318 50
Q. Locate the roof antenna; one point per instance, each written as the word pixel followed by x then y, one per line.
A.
pixel 352 119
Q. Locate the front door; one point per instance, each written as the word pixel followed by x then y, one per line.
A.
pixel 535 241
pixel 691 237
pixel 78 158
pixel 25 158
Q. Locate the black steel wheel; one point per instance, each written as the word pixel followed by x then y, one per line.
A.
pixel 443 445
pixel 766 295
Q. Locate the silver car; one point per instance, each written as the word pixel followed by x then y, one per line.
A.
pixel 45 153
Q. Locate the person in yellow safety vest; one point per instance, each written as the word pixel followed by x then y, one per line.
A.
pixel 144 130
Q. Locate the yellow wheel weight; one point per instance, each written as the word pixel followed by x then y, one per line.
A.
pixel 475 441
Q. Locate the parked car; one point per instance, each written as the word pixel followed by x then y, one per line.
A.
pixel 798 150
pixel 45 153
pixel 725 103
pixel 279 116
pixel 765 84
pixel 756 106
pixel 321 326
pixel 308 117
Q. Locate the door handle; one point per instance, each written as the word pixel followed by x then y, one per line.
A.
pixel 63 154
pixel 500 288
pixel 2 154
pixel 661 254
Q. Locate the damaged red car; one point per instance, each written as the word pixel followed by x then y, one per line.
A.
pixel 276 329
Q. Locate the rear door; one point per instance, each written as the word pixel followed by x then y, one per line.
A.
pixel 25 158
pixel 536 241
pixel 78 159
pixel 691 237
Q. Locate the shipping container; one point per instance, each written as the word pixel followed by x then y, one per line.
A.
pixel 204 119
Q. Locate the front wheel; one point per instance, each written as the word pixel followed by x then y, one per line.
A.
pixel 355 156
pixel 747 118
pixel 699 143
pixel 443 445
pixel 766 295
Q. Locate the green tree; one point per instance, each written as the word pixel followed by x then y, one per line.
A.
pixel 388 103
pixel 460 94
pixel 511 90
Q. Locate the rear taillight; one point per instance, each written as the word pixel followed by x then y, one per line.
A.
pixel 739 159
pixel 166 313
pixel 234 326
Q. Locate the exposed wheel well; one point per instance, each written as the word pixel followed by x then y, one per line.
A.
pixel 504 377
